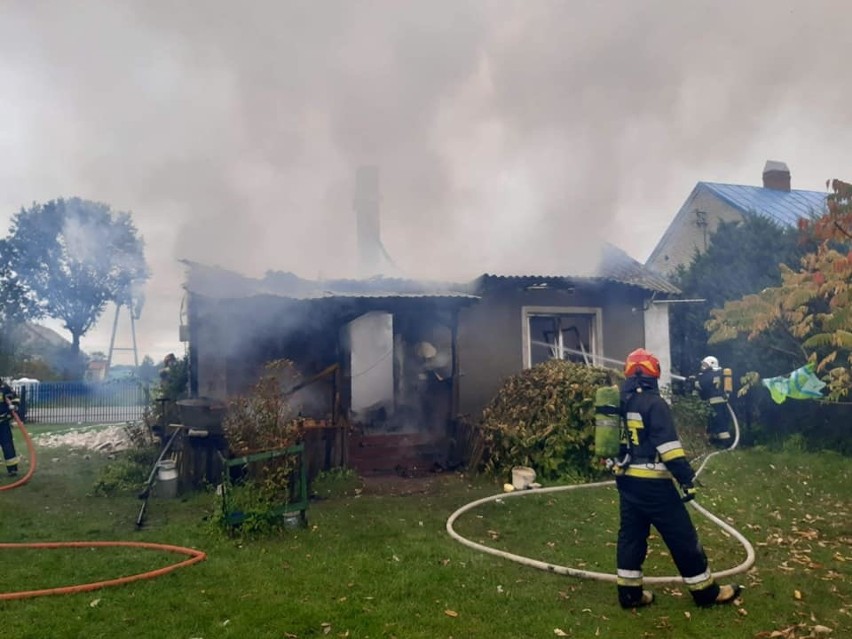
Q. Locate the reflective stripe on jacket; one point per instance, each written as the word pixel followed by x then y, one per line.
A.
pixel 652 441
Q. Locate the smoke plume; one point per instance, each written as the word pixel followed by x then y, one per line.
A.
pixel 511 136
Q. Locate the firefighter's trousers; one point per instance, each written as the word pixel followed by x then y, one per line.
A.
pixel 719 426
pixel 646 502
pixel 10 458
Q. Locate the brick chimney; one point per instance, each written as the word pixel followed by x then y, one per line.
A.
pixel 776 176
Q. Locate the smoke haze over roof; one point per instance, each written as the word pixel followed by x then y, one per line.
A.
pixel 511 135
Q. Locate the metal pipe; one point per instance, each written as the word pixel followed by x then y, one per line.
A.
pixel 620 362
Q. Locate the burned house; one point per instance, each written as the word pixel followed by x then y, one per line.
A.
pixel 395 362
pixel 381 353
pixel 596 318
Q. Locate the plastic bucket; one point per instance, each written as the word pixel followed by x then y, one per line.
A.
pixel 167 479
pixel 522 477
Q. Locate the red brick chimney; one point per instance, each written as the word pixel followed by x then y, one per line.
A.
pixel 776 176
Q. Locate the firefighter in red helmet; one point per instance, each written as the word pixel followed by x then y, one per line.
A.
pixel 651 459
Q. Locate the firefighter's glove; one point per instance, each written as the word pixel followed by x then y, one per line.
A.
pixel 689 492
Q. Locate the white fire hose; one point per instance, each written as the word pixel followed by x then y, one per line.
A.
pixel 591 574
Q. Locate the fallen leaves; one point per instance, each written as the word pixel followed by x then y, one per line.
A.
pixel 797 631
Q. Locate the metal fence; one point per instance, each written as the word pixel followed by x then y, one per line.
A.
pixel 83 402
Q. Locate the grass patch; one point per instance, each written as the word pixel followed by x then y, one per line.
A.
pixel 381 565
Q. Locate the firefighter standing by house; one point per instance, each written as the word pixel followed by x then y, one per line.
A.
pixel 711 387
pixel 8 402
pixel 651 457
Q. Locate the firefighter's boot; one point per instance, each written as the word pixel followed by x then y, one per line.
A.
pixel 727 594
pixel 645 599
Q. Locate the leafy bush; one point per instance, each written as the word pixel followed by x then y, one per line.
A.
pixel 173 385
pixel 128 472
pixel 691 414
pixel 544 418
pixel 818 425
pixel 263 420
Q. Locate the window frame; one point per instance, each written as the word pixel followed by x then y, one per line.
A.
pixel 596 313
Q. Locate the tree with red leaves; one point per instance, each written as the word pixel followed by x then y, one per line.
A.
pixel 813 304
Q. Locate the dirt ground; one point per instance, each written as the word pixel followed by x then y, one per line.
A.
pixel 396 484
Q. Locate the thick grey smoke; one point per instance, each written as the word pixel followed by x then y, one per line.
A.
pixel 511 135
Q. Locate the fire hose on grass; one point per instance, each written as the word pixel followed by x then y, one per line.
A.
pixel 591 574
pixel 194 556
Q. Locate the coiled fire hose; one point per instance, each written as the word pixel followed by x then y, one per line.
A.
pixel 591 574
pixel 194 556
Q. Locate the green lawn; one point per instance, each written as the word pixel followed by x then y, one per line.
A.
pixel 380 565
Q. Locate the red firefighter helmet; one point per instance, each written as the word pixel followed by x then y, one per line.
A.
pixel 641 362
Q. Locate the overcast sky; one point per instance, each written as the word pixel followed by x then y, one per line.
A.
pixel 509 134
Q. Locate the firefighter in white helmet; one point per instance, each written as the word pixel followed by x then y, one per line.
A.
pixel 710 385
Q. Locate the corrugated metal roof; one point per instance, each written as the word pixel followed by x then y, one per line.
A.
pixel 615 266
pixel 785 207
pixel 618 266
pixel 220 283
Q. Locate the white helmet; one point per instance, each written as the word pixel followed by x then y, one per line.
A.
pixel 710 362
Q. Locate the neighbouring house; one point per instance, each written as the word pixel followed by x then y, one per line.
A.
pixel 711 203
pixel 96 370
pixel 398 361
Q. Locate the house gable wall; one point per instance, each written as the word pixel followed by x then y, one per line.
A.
pixel 690 231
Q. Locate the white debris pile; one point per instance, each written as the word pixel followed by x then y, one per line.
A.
pixel 107 439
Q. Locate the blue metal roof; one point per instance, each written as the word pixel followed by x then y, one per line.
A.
pixel 785 207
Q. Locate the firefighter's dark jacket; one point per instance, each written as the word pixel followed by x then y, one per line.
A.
pixel 710 386
pixel 7 397
pixel 650 438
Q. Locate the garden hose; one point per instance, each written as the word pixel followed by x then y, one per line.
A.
pixel 591 574
pixel 194 556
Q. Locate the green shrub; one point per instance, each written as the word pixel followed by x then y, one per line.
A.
pixel 128 472
pixel 262 420
pixel 544 418
pixel 690 414
pixel 820 425
pixel 256 507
